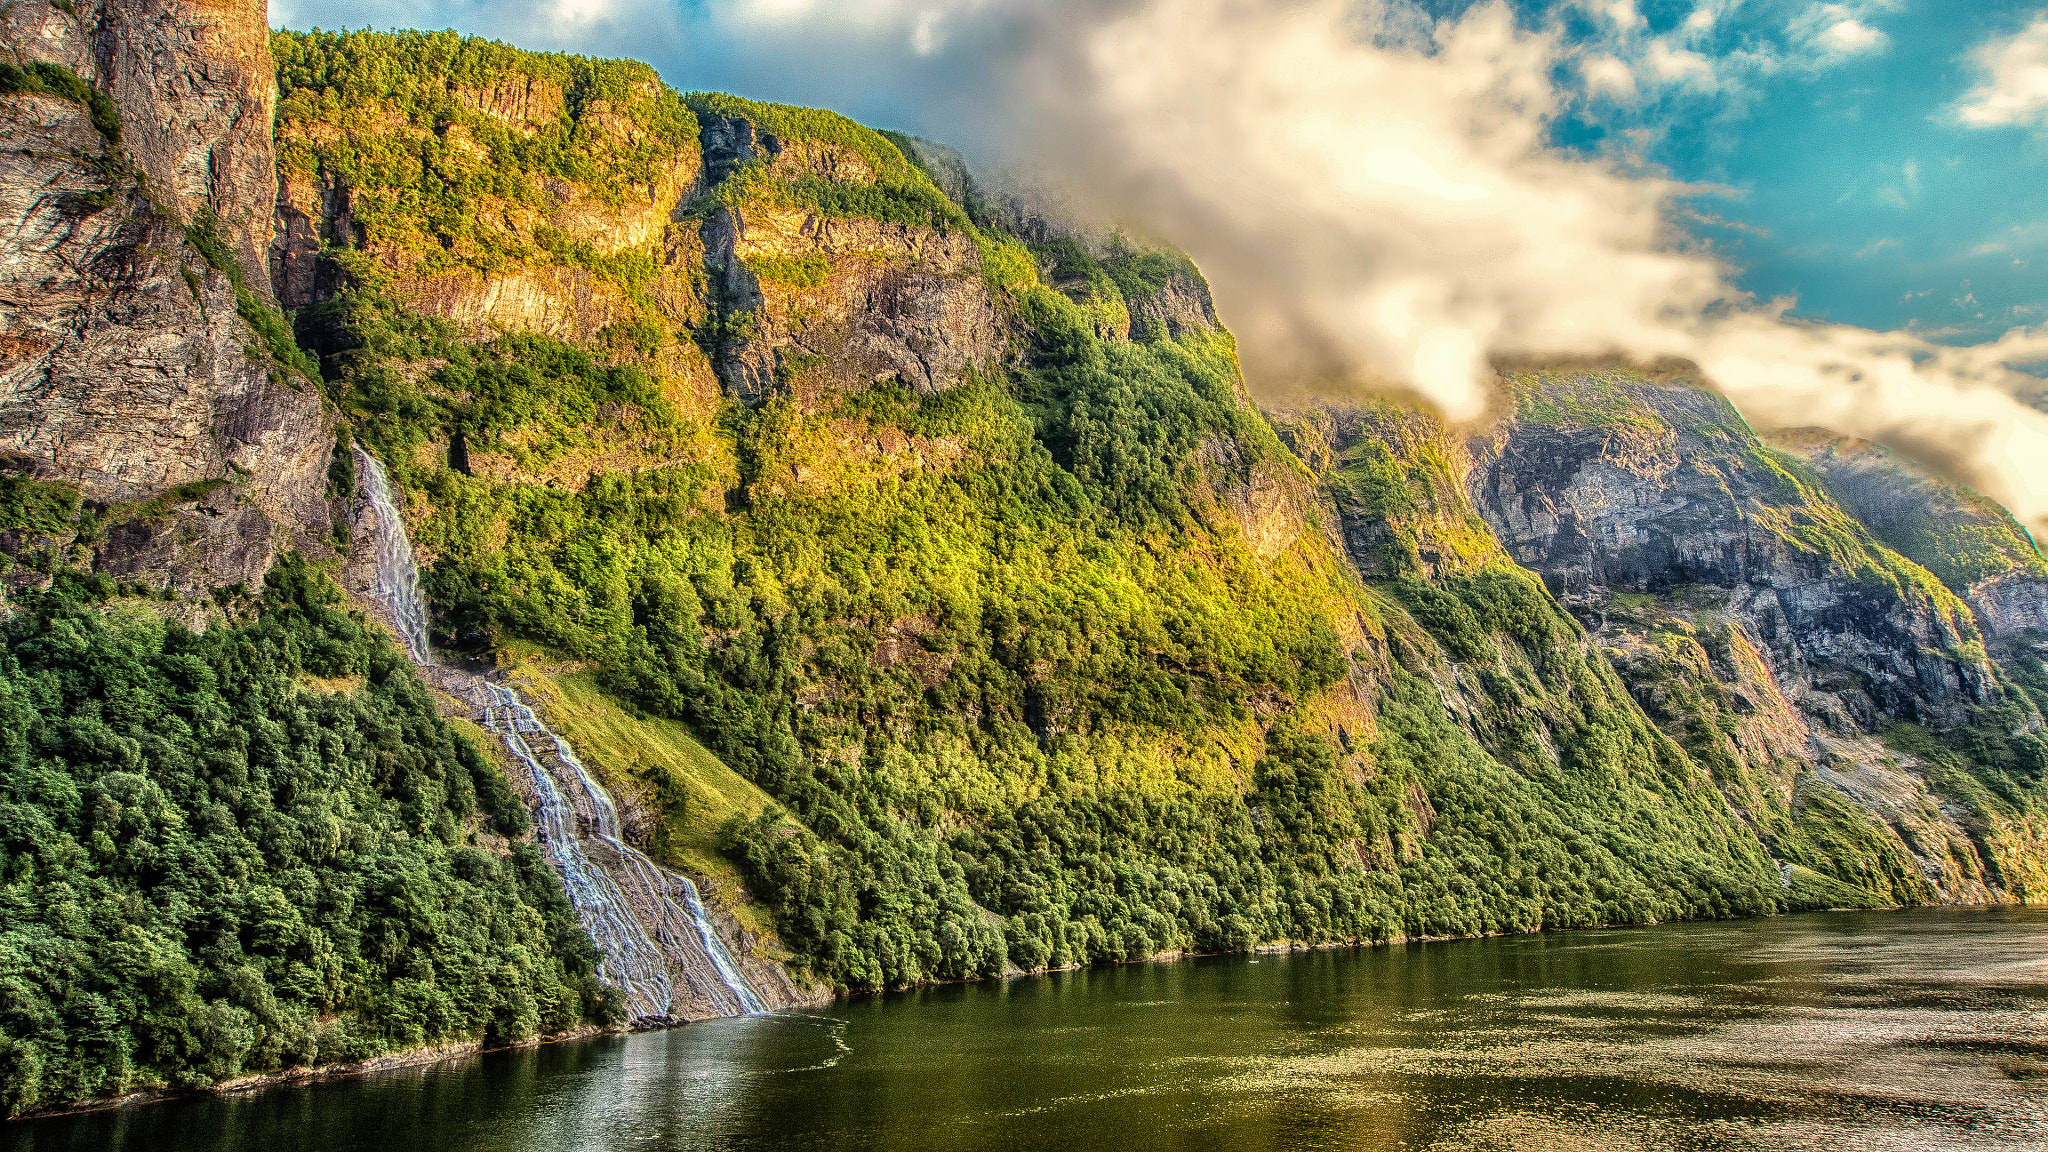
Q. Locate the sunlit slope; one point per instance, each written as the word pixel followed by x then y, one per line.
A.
pixel 652 766
pixel 957 537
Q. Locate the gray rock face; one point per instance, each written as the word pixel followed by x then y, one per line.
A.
pixel 1749 613
pixel 1970 543
pixel 197 92
pixel 123 367
pixel 1667 492
pixel 891 302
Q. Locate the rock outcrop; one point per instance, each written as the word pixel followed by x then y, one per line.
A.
pixel 126 367
pixel 1608 484
pixel 1972 544
pixel 1751 614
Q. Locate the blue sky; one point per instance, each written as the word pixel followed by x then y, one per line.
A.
pixel 1856 186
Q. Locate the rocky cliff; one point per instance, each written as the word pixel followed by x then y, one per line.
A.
pixel 916 569
pixel 1760 618
pixel 145 372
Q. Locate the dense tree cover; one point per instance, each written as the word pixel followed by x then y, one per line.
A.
pixel 480 129
pixel 251 849
pixel 1028 692
pixel 898 191
pixel 1003 697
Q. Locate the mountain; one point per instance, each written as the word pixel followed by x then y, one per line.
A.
pixel 920 578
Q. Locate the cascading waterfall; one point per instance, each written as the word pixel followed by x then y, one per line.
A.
pixel 648 923
pixel 398 577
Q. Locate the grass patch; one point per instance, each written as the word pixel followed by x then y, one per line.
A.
pixel 39 507
pixel 694 792
pixel 42 78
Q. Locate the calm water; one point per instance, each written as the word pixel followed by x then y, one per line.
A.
pixel 1841 1031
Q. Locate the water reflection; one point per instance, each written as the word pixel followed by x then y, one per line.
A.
pixel 1921 1030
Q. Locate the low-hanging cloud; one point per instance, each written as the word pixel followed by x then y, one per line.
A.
pixel 1377 196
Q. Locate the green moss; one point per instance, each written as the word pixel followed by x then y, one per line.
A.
pixel 40 77
pixel 38 507
pixel 1847 845
pixel 807 271
pixel 900 192
pixel 1584 399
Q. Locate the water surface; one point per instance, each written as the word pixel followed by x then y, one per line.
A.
pixel 1905 1030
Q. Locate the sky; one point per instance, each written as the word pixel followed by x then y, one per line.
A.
pixel 1835 207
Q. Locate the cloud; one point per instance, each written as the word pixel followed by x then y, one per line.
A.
pixel 2014 88
pixel 1826 33
pixel 1850 37
pixel 1328 175
pixel 2018 238
pixel 1608 75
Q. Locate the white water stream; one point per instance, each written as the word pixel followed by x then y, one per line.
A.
pixel 649 923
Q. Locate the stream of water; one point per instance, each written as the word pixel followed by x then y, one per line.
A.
pixel 649 923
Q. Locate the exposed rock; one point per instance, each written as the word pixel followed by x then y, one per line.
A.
pixel 1752 617
pixel 1661 487
pixel 1395 477
pixel 123 362
pixel 197 92
pixel 877 301
pixel 1971 543
pixel 1181 308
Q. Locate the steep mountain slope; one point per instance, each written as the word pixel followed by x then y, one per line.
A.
pixel 1014 635
pixel 968 550
pixel 1758 619
pixel 1970 543
pixel 134 195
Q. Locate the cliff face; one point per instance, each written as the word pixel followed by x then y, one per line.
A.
pixel 1973 545
pixel 1648 486
pixel 127 374
pixel 1755 616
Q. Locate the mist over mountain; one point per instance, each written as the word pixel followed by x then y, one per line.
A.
pixel 1225 524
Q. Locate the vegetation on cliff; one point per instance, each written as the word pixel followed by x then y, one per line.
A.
pixel 1011 656
pixel 1040 661
pixel 252 849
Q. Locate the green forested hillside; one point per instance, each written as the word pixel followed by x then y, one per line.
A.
pixel 1051 666
pixel 922 574
pixel 252 849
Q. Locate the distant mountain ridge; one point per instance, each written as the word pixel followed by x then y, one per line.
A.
pixel 1021 637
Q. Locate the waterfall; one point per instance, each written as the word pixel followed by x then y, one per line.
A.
pixel 398 577
pixel 649 923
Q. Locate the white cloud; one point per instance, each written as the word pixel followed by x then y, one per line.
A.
pixel 1823 35
pixel 1852 36
pixel 2014 88
pixel 2019 238
pixel 920 25
pixel 1307 168
pixel 1606 75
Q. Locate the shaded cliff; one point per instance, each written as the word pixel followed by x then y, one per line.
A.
pixel 1765 624
pixel 1969 542
pixel 143 369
